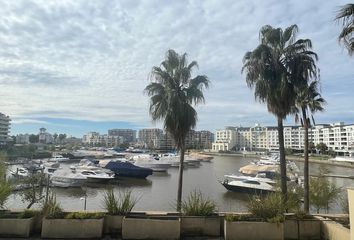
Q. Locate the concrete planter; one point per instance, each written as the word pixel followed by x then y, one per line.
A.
pixel 14 227
pixel 253 231
pixel 135 227
pixel 72 228
pixel 200 226
pixel 309 229
pixel 331 230
pixel 113 224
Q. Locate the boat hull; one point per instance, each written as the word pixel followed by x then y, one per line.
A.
pixel 247 190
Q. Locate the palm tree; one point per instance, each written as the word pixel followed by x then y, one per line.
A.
pixel 173 93
pixel 308 101
pixel 273 69
pixel 346 16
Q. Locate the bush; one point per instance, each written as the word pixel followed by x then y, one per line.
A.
pixel 51 209
pixel 121 205
pixel 197 205
pixel 5 187
pixel 84 215
pixel 28 214
pixel 270 208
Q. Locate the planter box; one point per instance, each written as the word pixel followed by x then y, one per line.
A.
pixel 309 229
pixel 200 226
pixel 332 230
pixel 253 231
pixel 72 228
pixel 14 227
pixel 113 224
pixel 135 227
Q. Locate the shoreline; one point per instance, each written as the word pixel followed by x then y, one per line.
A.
pixel 291 157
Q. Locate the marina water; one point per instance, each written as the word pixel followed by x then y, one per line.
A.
pixel 158 191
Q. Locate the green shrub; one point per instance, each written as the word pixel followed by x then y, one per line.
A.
pixel 84 215
pixel 268 208
pixel 119 205
pixel 27 213
pixel 241 217
pixel 197 205
pixel 52 209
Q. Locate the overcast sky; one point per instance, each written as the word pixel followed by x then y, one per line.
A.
pixel 75 66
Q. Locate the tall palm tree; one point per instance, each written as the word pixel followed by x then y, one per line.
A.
pixel 346 16
pixel 273 69
pixel 308 101
pixel 173 93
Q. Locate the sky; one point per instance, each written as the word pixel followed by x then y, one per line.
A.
pixel 82 65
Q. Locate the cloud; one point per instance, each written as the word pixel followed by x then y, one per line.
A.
pixel 90 60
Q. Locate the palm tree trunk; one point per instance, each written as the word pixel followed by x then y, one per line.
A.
pixel 282 159
pixel 306 163
pixel 180 178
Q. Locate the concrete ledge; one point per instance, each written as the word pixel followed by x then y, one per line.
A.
pixel 13 227
pixel 72 228
pixel 331 230
pixel 253 231
pixel 113 224
pixel 302 229
pixel 200 226
pixel 134 227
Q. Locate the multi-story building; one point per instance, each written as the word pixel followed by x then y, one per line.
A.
pixel 225 140
pixel 338 137
pixel 45 137
pixel 22 138
pixel 105 140
pixel 150 137
pixel 4 129
pixel 128 135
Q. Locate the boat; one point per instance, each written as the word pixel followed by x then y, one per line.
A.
pixel 97 176
pixel 50 167
pixel 149 161
pixel 348 159
pixel 58 158
pixel 67 178
pixel 20 172
pixel 201 157
pixel 251 186
pixel 265 176
pixel 123 168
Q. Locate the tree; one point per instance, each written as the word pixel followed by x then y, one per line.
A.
pixel 308 101
pixel 273 69
pixel 5 187
pixel 173 93
pixel 346 16
pixel 61 137
pixel 322 192
pixel 322 147
pixel 55 137
pixel 33 138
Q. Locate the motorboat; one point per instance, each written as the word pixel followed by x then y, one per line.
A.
pixel 67 178
pixel 123 168
pixel 97 175
pixel 251 186
pixel 191 161
pixel 20 172
pixel 50 167
pixel 58 158
pixel 201 157
pixel 265 176
pixel 148 161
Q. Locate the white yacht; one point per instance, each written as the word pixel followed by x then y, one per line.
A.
pixel 261 176
pixel 147 161
pixel 58 158
pixel 20 172
pixel 349 159
pixel 252 186
pixel 67 178
pixel 97 176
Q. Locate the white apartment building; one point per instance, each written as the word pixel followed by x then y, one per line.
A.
pixel 338 137
pixel 225 140
pixel 22 138
pixel 45 137
pixel 150 137
pixel 4 128
pixel 96 139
